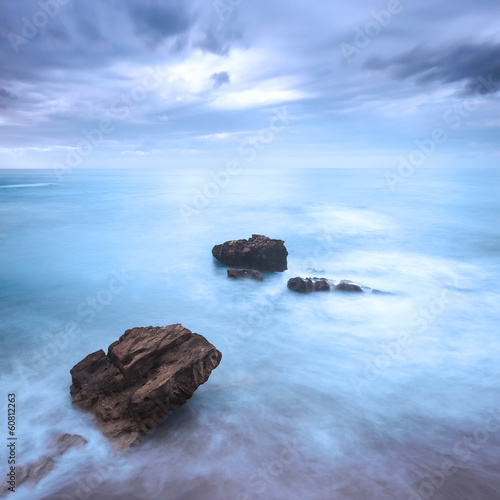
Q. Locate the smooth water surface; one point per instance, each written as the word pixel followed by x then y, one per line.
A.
pixel 319 396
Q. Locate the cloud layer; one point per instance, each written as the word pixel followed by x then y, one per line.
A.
pixel 220 71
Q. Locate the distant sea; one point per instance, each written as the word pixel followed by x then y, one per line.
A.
pixel 318 396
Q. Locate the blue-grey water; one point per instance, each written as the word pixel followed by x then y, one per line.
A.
pixel 319 396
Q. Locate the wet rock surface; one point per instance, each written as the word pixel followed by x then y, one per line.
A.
pixel 259 252
pixel 146 374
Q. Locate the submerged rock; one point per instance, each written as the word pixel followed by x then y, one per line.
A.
pixel 380 292
pixel 244 274
pixel 259 252
pixel 61 443
pixel 147 373
pixel 29 474
pixel 33 472
pixel 348 286
pixel 305 285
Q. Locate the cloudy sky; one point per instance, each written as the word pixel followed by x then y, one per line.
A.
pixel 188 82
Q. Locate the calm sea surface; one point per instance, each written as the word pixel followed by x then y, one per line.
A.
pixel 320 396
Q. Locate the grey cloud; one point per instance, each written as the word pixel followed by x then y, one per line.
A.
pixel 91 31
pixel 5 95
pixel 220 79
pixel 92 35
pixel 156 21
pixel 460 63
pixel 213 43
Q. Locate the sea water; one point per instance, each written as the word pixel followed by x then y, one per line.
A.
pixel 318 396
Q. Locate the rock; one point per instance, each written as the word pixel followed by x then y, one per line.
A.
pixel 348 286
pixel 29 474
pixel 299 285
pixel 259 252
pixel 321 285
pixel 244 274
pixel 304 285
pixel 308 285
pixel 61 443
pixel 33 472
pixel 147 373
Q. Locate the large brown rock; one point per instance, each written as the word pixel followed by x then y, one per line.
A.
pixel 259 252
pixel 146 374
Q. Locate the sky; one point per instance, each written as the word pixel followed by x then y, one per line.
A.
pixel 192 83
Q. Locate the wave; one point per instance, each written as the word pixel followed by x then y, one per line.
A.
pixel 40 184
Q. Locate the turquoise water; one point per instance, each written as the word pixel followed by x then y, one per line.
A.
pixel 323 396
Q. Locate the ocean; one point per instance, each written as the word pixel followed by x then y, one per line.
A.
pixel 318 396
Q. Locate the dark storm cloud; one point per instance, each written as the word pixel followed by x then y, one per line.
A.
pixel 215 43
pixel 156 21
pixel 460 63
pixel 220 79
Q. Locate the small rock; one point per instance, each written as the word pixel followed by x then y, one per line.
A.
pixel 380 292
pixel 244 274
pixel 299 285
pixel 347 286
pixel 304 285
pixel 30 474
pixel 308 285
pixel 321 285
pixel 35 471
pixel 61 443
